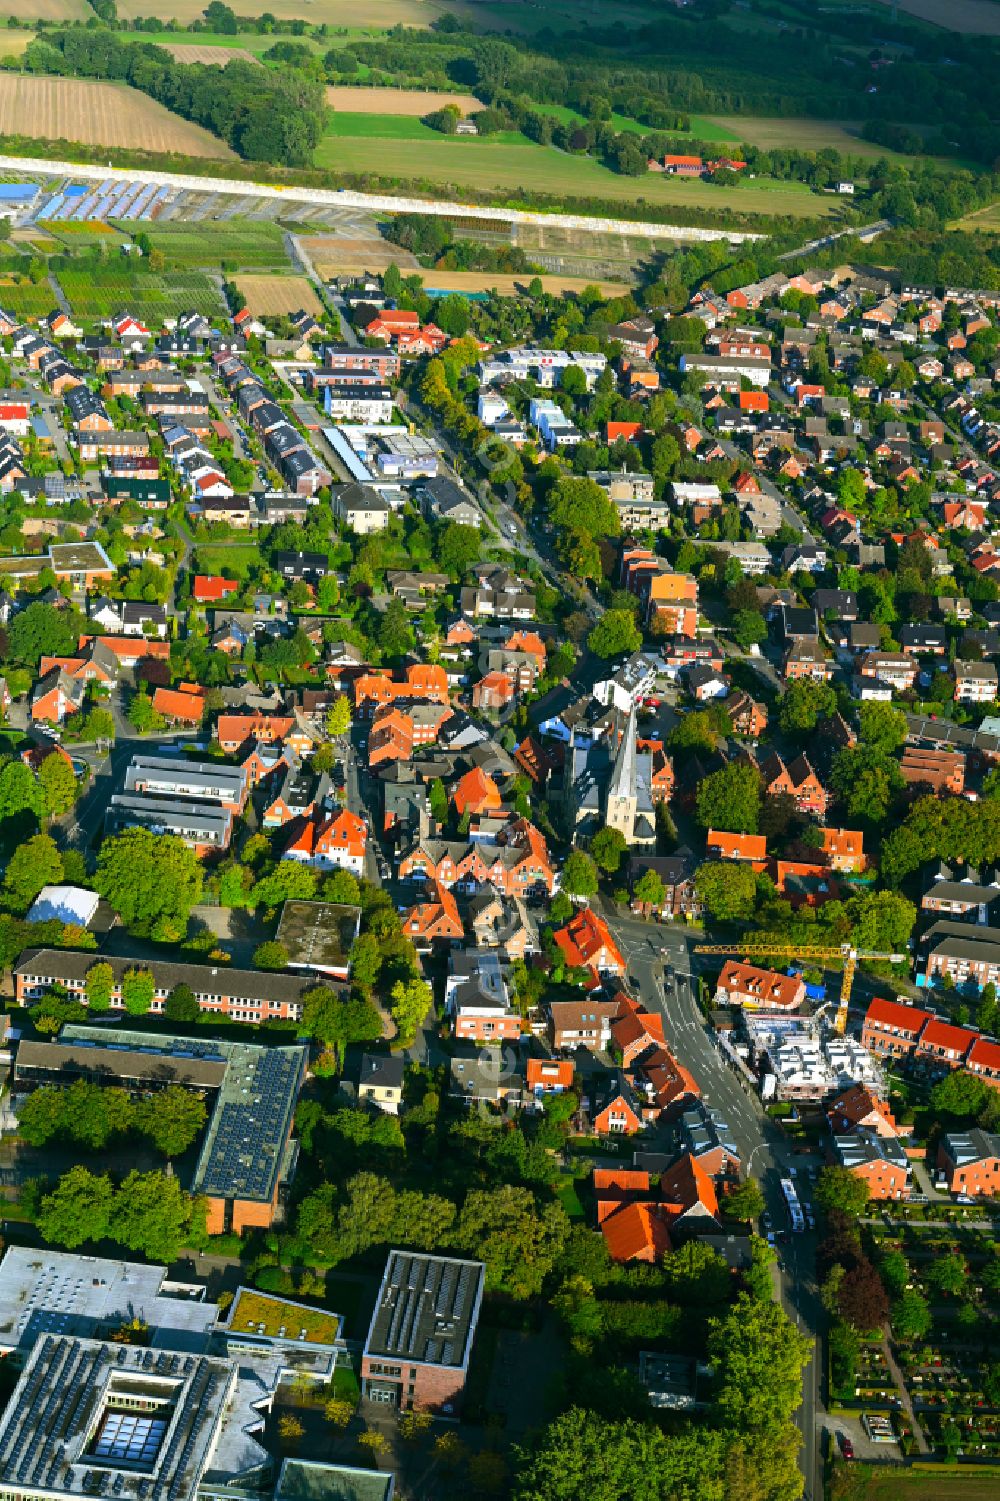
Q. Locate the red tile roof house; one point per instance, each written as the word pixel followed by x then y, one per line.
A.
pixel 616 1186
pixel 185 705
pixel 209 590
pixel 942 1042
pixel 746 985
pixel 616 1111
pixel 689 1197
pixel 544 1076
pixel 637 1232
pixel 56 696
pixel 857 1108
pixel 891 1029
pixel 434 922
pixel 327 843
pixel 750 849
pixel 880 1161
pixel 798 780
pixel 635 1032
pixel 983 1058
pixel 586 943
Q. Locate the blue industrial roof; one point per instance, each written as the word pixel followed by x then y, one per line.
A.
pixel 17 190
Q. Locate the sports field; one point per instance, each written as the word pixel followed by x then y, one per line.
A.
pixel 99 114
pixel 273 296
pixel 381 101
pixel 465 163
pixel 52 10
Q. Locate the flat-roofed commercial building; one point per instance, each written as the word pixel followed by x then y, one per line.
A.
pixel 247 1156
pixel 420 1338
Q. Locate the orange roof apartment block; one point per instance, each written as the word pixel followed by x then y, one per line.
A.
pixel 549 1075
pixel 636 1232
pixel 338 842
pixel 421 681
pixel 671 599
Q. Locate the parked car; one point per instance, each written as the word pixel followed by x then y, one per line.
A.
pixel 846 1446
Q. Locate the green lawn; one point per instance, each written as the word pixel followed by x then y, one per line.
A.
pixel 570 1200
pixel 216 557
pixel 462 163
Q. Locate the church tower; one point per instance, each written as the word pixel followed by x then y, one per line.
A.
pixel 623 788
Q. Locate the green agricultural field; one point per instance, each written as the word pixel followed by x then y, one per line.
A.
pixel 242 243
pixel 892 1482
pixel 99 293
pixel 246 41
pixel 25 300
pixel 457 164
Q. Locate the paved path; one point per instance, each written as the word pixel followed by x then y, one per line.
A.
pixel 923 1447
pixel 376 203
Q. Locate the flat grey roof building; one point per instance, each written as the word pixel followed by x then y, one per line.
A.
pixel 58 1292
pixel 244 1150
pixel 427 1310
pixel 197 823
pixel 94 1419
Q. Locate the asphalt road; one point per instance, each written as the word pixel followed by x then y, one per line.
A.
pixel 648 948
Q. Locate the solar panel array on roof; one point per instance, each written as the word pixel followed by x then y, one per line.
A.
pixel 250 1133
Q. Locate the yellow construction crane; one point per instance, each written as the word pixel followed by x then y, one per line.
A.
pixel 846 952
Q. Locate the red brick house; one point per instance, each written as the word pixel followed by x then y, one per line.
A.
pixel 891 1029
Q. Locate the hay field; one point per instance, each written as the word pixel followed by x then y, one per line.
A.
pixel 977 17
pixel 185 52
pixel 98 114
pixel 273 296
pixel 334 255
pixel 510 286
pixel 769 133
pixel 379 15
pixel 378 101
pixel 456 163
pixel 52 10
pixel 984 221
pixel 13 43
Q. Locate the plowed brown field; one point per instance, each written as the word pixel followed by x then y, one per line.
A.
pixel 99 114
